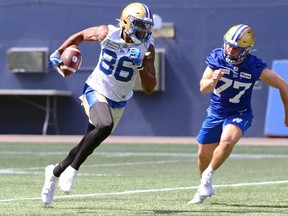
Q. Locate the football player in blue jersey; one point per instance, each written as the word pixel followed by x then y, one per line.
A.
pixel 230 76
pixel 126 51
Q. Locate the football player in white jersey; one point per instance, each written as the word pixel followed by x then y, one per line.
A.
pixel 230 75
pixel 126 51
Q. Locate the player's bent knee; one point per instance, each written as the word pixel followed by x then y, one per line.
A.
pixel 101 118
pixel 105 128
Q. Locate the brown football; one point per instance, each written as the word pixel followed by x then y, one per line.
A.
pixel 72 59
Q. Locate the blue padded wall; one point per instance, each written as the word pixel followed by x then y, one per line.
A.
pixel 274 122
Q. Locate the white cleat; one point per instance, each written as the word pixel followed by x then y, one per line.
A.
pixel 198 198
pixel 48 190
pixel 205 190
pixel 66 179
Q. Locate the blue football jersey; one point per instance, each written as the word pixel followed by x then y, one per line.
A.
pixel 233 92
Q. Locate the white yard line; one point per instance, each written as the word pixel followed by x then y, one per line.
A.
pixel 145 191
pixel 31 170
pixel 142 154
pixel 133 139
pixel 188 158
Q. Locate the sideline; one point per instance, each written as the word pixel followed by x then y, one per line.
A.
pixel 133 139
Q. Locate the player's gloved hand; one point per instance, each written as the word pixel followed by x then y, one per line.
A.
pixel 55 59
pixel 56 62
pixel 135 56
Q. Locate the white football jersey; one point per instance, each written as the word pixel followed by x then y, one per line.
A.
pixel 114 76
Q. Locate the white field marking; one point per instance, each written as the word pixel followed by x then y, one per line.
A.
pixel 27 153
pixel 15 172
pixel 134 163
pixel 258 156
pixel 145 191
pixel 192 156
pixel 127 154
pixel 18 172
pixel 104 154
pixel 145 154
pixel 178 155
pixel 28 170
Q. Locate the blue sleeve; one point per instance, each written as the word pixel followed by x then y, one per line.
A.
pixel 215 59
pixel 256 65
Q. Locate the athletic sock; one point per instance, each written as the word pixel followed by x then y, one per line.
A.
pixel 208 171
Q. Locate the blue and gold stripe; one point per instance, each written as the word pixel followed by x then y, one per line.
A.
pixel 239 32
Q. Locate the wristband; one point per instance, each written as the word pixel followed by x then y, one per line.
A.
pixel 141 67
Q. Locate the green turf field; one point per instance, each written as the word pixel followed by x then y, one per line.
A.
pixel 145 179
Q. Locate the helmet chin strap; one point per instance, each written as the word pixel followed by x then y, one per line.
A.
pixel 133 38
pixel 126 36
pixel 232 61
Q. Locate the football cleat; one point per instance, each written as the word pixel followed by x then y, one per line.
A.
pixel 198 198
pixel 48 190
pixel 66 179
pixel 205 190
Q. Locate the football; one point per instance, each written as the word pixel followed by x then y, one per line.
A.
pixel 72 59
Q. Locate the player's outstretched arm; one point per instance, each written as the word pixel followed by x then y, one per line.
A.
pixel 96 33
pixel 273 79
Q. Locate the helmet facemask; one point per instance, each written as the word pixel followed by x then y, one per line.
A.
pixel 140 30
pixel 237 57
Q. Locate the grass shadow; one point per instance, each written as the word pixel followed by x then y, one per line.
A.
pixel 251 206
